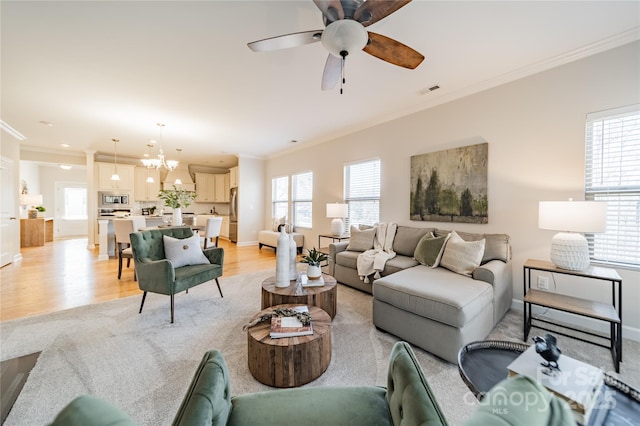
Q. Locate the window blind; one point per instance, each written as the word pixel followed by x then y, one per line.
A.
pixel 280 197
pixel 302 195
pixel 612 174
pixel 362 192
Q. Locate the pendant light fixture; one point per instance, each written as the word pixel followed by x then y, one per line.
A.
pixel 161 161
pixel 178 180
pixel 115 175
pixel 149 177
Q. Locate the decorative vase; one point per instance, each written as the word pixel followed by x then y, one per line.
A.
pixel 314 272
pixel 177 217
pixel 282 260
pixel 293 252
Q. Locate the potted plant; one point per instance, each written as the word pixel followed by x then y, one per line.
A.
pixel 177 198
pixel 313 259
pixel 40 210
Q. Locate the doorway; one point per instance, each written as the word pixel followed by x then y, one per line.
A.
pixel 70 210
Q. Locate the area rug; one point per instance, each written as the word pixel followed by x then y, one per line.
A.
pixel 143 364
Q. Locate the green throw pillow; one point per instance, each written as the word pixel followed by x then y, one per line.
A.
pixel 429 250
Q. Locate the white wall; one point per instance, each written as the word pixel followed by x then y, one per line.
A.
pixel 535 130
pixel 251 197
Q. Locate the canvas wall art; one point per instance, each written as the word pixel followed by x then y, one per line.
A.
pixel 450 185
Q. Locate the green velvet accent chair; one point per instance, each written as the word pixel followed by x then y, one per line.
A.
pixel 156 273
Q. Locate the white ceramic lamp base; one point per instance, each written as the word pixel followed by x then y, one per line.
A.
pixel 570 250
pixel 337 226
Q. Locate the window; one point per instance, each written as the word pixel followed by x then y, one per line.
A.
pixel 302 194
pixel 362 192
pixel 612 174
pixel 280 197
pixel 75 204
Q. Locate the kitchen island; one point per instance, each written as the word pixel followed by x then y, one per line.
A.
pixel 106 235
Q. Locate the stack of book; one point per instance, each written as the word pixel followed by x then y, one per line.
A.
pixel 306 282
pixel 290 326
pixel 578 383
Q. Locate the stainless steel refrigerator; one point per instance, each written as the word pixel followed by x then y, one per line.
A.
pixel 233 216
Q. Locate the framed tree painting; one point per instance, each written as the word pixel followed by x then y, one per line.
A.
pixel 450 185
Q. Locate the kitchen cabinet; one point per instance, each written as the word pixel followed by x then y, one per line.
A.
pixel 143 190
pixel 224 229
pixel 205 188
pixel 233 177
pixel 212 188
pixel 227 187
pixel 221 191
pixel 126 173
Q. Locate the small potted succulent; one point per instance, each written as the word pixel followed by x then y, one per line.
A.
pixel 40 210
pixel 314 259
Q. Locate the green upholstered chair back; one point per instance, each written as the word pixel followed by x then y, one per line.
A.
pixel 208 399
pixel 410 399
pixel 148 245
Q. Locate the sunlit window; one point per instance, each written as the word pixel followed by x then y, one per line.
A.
pixel 75 204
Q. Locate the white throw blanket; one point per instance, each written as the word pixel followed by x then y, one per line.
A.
pixel 373 261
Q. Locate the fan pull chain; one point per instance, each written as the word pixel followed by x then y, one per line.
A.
pixel 344 54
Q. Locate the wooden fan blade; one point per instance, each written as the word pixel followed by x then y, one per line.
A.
pixel 332 72
pixel 371 11
pixel 331 9
pixel 285 41
pixel 392 51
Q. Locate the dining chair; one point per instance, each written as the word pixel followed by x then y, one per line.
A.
pixel 122 229
pixel 212 230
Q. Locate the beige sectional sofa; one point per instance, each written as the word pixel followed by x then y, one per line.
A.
pixel 434 308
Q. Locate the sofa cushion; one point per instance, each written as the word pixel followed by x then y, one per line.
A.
pixel 462 256
pixel 537 407
pixel 407 238
pixel 398 263
pixel 496 246
pixel 436 294
pixel 184 251
pixel 429 250
pixel 363 405
pixel 361 240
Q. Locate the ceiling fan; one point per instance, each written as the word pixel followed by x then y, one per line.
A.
pixel 345 22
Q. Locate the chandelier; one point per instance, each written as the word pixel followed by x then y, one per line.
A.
pixel 160 161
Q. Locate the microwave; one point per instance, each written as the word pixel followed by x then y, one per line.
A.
pixel 109 199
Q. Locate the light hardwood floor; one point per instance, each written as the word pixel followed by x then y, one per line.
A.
pixel 65 274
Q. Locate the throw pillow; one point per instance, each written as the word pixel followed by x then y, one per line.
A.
pixel 361 240
pixel 462 256
pixel 429 249
pixel 277 221
pixel 185 251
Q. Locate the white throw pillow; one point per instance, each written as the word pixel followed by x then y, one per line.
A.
pixel 185 251
pixel 462 256
pixel 277 221
pixel 361 240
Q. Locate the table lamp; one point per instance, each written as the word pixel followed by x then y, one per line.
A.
pixel 337 211
pixel 569 247
pixel 31 200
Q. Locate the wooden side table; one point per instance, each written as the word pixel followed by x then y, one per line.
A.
pixel 324 297
pixel 289 361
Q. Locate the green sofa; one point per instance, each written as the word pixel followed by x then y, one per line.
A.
pixel 407 400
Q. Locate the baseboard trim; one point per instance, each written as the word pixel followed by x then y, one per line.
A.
pixel 247 243
pixel 630 333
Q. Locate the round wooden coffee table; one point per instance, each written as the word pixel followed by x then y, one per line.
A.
pixel 290 361
pixel 324 297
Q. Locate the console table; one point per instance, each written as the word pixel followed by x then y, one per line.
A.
pixel 35 232
pixel 610 313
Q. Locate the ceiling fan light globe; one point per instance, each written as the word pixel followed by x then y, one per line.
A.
pixel 345 35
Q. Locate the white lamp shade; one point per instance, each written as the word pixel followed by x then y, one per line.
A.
pixel 337 210
pixel 574 216
pixel 30 199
